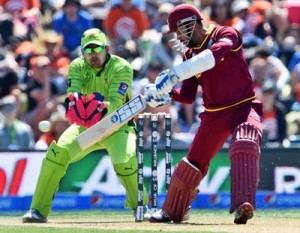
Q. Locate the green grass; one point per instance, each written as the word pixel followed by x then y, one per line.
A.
pixel 204 221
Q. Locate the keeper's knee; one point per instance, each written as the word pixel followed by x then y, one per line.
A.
pixel 58 154
pixel 127 174
pixel 126 169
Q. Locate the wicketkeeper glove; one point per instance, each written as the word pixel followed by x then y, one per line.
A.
pixel 153 98
pixel 165 82
pixel 75 108
pixel 95 109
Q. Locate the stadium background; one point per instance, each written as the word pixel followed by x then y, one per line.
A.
pixel 92 184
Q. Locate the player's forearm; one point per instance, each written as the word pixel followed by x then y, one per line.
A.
pixel 75 77
pixel 74 84
pixel 114 101
pixel 120 88
pixel 195 65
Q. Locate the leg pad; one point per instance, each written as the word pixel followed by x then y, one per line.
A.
pixel 182 191
pixel 244 156
pixel 53 169
pixel 127 174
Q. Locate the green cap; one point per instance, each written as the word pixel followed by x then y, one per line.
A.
pixel 93 36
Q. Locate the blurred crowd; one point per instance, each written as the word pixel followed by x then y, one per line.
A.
pixel 39 39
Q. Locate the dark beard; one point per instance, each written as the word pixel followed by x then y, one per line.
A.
pixel 192 44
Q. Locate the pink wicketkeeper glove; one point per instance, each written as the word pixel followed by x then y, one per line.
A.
pixel 95 109
pixel 75 108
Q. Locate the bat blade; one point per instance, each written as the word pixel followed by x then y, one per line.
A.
pixel 111 123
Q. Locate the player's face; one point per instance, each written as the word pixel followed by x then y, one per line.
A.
pixel 94 54
pixel 182 36
pixel 185 32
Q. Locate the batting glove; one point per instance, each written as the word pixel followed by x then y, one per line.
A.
pixel 154 99
pixel 95 109
pixel 75 108
pixel 165 82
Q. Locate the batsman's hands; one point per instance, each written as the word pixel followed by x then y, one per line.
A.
pixel 95 109
pixel 165 82
pixel 75 108
pixel 154 99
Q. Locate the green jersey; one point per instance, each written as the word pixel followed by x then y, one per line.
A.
pixel 113 80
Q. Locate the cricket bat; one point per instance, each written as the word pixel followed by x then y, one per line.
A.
pixel 111 123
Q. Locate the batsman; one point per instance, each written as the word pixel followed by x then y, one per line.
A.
pixel 213 60
pixel 98 84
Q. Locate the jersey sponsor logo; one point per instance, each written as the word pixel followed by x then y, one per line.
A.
pixel 123 88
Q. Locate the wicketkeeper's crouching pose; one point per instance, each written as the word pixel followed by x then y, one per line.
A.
pixel 214 60
pixel 98 84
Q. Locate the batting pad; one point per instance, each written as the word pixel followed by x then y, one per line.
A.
pixel 127 174
pixel 182 191
pixel 244 156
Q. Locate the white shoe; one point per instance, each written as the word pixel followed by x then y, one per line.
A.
pixel 161 216
pixel 33 216
pixel 147 213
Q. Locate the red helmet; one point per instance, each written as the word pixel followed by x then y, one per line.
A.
pixel 181 14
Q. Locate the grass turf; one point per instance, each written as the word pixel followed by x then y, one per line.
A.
pixel 204 221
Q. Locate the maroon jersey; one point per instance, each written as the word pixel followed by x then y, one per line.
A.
pixel 229 82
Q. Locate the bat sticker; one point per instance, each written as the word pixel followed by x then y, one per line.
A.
pixel 114 118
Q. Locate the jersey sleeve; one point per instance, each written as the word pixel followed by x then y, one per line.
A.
pixel 75 80
pixel 120 88
pixel 227 39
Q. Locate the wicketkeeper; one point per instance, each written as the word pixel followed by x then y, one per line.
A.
pixel 213 59
pixel 98 84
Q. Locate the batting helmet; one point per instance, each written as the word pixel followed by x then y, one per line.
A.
pixel 181 14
